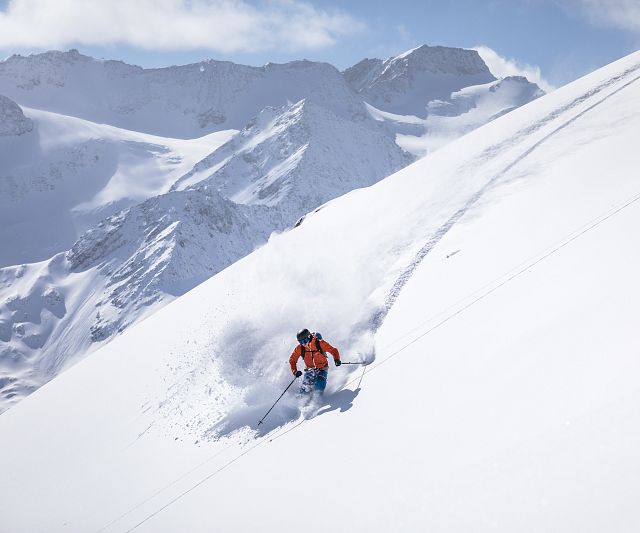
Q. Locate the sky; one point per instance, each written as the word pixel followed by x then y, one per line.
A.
pixel 551 41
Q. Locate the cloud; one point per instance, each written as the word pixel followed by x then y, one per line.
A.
pixel 621 14
pixel 502 67
pixel 221 25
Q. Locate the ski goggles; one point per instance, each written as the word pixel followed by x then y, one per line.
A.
pixel 305 340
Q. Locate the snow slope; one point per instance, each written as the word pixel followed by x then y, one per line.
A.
pixel 61 175
pixel 495 282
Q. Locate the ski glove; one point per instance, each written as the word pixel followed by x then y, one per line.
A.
pixel 338 362
pixel 298 373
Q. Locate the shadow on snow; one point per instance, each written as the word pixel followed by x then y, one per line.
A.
pixel 286 410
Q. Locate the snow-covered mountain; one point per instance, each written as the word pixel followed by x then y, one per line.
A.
pixel 405 84
pixel 432 95
pixel 59 176
pixel 121 271
pixel 192 100
pixel 492 285
pixel 298 157
pixel 181 101
pixel 88 228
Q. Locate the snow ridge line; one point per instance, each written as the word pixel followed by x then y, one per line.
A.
pixel 406 274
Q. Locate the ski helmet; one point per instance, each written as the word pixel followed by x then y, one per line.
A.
pixel 303 334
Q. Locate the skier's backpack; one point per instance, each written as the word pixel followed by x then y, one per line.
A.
pixel 317 337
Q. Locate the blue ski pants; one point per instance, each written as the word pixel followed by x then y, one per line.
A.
pixel 315 379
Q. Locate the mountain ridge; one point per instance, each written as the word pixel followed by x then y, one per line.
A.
pixel 191 100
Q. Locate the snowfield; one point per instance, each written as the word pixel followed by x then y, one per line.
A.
pixel 493 287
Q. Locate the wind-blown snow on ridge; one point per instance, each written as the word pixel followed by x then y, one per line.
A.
pixel 465 111
pixel 430 96
pixel 492 414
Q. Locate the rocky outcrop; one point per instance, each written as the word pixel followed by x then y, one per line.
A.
pixel 12 119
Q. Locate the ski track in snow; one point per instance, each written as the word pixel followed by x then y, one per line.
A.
pixel 522 136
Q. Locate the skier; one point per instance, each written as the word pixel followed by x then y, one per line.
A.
pixel 312 348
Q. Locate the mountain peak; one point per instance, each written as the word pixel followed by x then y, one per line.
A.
pixel 442 60
pixel 70 56
pixel 279 158
pixel 406 83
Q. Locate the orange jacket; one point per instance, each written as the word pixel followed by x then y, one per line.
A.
pixel 313 358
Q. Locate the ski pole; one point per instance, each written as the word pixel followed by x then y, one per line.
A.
pixel 358 363
pixel 274 403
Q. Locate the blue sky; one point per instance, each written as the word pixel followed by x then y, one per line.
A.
pixel 564 38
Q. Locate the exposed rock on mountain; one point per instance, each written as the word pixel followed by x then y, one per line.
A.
pixel 406 83
pixel 297 157
pixel 114 275
pixel 12 119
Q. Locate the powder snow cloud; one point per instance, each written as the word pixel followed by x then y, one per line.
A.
pixel 220 25
pixel 501 67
